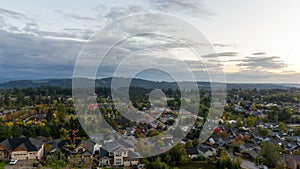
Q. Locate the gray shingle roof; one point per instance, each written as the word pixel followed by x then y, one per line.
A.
pixel 28 144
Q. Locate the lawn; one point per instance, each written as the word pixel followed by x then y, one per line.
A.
pixel 67 118
pixel 2 164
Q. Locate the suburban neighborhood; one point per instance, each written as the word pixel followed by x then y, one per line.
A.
pixel 256 129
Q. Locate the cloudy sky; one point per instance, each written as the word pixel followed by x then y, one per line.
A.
pixel 256 41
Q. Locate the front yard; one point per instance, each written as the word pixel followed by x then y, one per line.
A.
pixel 2 164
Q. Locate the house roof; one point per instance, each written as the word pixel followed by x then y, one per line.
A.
pixel 296 158
pixel 132 155
pixel 121 121
pixel 61 144
pixel 27 144
pixel 111 146
pixel 191 150
pixel 103 153
pixel 203 149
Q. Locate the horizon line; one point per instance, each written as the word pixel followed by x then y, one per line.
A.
pixel 184 81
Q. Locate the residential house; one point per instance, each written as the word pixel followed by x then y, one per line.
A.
pixel 206 152
pixel 104 159
pixel 192 152
pixel 81 148
pixel 22 148
pixel 292 162
pixel 118 153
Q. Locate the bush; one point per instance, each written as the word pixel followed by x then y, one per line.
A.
pixel 199 158
pixel 36 163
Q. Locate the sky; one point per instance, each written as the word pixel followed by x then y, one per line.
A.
pixel 256 41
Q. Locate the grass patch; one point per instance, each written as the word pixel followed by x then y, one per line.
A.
pixel 55 164
pixel 67 117
pixel 3 164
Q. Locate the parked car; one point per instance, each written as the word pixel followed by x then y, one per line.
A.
pixel 263 167
pixel 13 161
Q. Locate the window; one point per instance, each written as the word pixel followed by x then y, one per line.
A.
pixel 118 154
pixel 118 161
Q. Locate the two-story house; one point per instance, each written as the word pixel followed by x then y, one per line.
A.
pixel 118 153
pixel 22 148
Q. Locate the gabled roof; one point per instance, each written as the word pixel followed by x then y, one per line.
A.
pixel 122 144
pixel 132 155
pixel 62 144
pixel 25 143
pixel 191 150
pixel 103 153
pixel 203 149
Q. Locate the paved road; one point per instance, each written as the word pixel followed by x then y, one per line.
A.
pixel 245 163
pixel 22 164
pixel 248 164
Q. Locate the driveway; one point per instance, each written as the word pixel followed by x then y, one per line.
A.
pixel 245 163
pixel 23 164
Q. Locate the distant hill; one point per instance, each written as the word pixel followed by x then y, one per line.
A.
pixel 36 83
pixel 67 83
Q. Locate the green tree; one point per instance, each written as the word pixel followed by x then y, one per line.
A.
pixel 236 163
pixel 297 131
pixel 195 142
pixel 270 154
pixel 250 121
pixel 5 132
pixel 177 153
pixel 253 106
pixel 263 131
pixel 239 122
pixel 157 164
pixel 285 114
pixel 168 159
pixel 17 131
pixel 189 144
pixel 153 133
pixel 276 118
pixel 282 127
pixel 225 162
pixel 281 164
pixel 184 160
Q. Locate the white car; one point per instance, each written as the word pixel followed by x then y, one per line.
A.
pixel 13 161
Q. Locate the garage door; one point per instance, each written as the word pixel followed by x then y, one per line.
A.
pixel 19 156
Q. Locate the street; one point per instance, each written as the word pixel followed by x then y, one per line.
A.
pixel 245 163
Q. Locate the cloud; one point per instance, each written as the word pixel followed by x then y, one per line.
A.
pixel 261 68
pixel 262 76
pixel 14 21
pixel 78 17
pixel 13 14
pixel 193 8
pixel 29 52
pixel 259 53
pixel 190 7
pixel 222 54
pixel 26 56
pixel 262 62
pixel 118 12
pixel 222 45
pixel 228 54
